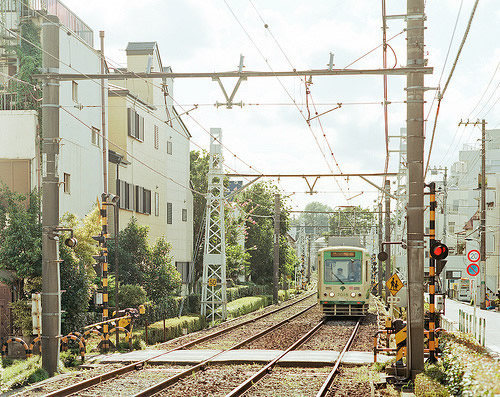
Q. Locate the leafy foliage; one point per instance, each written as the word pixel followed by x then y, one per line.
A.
pixel 315 223
pixel 20 235
pixel 22 373
pixel 258 202
pixel 131 295
pixel 351 221
pixel 143 265
pixel 161 278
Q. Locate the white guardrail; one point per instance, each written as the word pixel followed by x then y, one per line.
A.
pixel 468 323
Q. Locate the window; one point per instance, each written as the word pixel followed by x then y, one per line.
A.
pixel 95 137
pixel 157 204
pixel 147 202
pixel 157 138
pixel 184 215
pixel 67 183
pixel 126 193
pixel 169 213
pixel 451 227
pixel 139 198
pixel 74 91
pixel 169 147
pixel 135 125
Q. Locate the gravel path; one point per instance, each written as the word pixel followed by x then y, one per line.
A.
pixel 214 381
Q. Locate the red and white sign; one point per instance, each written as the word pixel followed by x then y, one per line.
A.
pixel 473 269
pixel 473 255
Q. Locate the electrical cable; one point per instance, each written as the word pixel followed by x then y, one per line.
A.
pixel 441 95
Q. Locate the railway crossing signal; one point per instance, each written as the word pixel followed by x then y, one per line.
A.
pixel 439 251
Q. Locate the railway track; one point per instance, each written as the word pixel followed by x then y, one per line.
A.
pixel 186 343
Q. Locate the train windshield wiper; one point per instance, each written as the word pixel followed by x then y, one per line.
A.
pixel 337 277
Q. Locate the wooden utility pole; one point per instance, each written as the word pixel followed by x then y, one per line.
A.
pixel 415 225
pixel 276 263
pixel 387 247
pixel 51 294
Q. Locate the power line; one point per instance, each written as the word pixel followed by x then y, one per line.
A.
pixel 441 95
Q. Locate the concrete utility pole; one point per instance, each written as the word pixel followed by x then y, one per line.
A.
pixel 276 263
pixel 51 294
pixel 380 249
pixel 103 118
pixel 387 248
pixel 415 224
pixel 483 216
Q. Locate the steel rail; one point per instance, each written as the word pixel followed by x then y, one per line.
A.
pixel 326 385
pixel 85 384
pixel 151 391
pixel 243 387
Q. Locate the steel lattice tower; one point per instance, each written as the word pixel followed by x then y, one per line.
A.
pixel 213 293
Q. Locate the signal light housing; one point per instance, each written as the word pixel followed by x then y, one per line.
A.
pixel 439 251
pixel 100 238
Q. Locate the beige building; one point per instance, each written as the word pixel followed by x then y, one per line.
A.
pixel 149 154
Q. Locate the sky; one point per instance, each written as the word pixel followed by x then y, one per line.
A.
pixel 273 137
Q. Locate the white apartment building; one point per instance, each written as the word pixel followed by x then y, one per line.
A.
pixel 149 154
pixel 80 158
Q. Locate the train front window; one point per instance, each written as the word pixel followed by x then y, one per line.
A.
pixel 342 271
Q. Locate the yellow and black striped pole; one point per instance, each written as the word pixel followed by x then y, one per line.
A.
pixel 432 273
pixel 104 232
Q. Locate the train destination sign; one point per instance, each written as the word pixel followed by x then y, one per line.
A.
pixel 342 254
pixel 394 284
pixel 473 255
pixel 473 269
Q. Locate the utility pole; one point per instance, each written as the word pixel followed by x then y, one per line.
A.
pixel 415 223
pixel 380 249
pixel 445 207
pixel 51 294
pixel 103 118
pixel 483 215
pixel 387 248
pixel 276 263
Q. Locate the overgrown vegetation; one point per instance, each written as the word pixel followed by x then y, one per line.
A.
pixel 22 373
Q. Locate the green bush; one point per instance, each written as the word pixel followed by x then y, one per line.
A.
pixel 131 295
pixel 246 305
pixel 173 328
pixel 22 373
pixel 429 383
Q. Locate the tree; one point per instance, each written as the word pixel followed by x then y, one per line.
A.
pixel 76 268
pixel 133 253
pixel 316 224
pixel 199 163
pixel 352 221
pixel 20 236
pixel 258 203
pixel 161 278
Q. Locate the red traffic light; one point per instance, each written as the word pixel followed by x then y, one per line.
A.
pixel 439 251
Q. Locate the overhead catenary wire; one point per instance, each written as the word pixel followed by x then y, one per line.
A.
pixel 280 82
pixel 99 83
pixel 441 95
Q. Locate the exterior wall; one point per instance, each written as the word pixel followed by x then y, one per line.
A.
pixel 79 157
pixel 172 168
pixel 19 126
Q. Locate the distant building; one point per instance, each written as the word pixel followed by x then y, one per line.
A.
pixel 149 154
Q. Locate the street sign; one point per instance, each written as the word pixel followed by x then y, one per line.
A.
pixel 212 282
pixel 473 255
pixel 394 284
pixel 473 269
pixel 393 299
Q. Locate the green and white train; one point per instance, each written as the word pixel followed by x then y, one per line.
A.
pixel 344 280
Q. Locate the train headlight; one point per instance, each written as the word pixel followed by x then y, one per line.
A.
pixel 353 294
pixel 332 294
